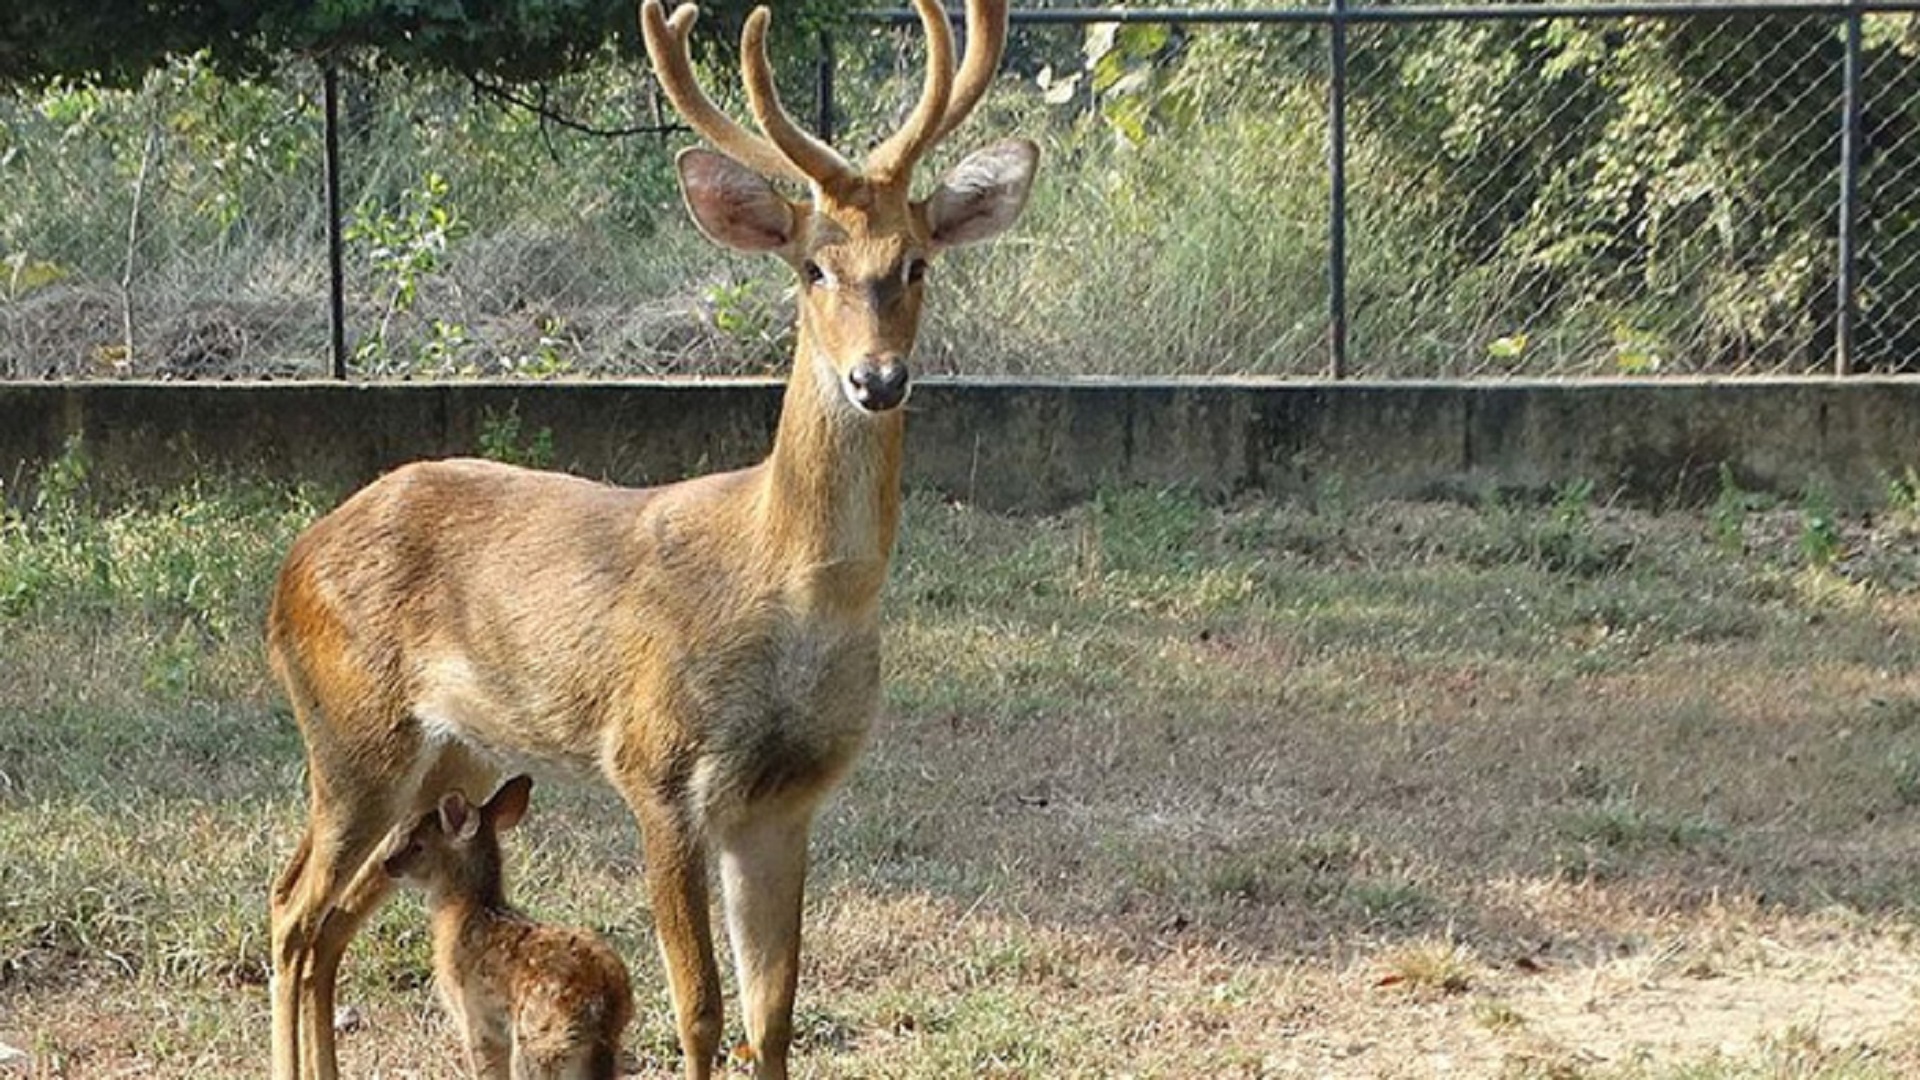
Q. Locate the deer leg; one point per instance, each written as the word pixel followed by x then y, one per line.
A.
pixel 369 889
pixel 455 769
pixel 354 794
pixel 763 871
pixel 331 848
pixel 677 888
pixel 289 960
pixel 489 1055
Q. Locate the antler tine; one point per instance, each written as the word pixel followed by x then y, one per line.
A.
pixel 667 46
pixel 821 163
pixel 986 41
pixel 897 155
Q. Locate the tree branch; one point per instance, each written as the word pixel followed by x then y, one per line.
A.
pixel 539 108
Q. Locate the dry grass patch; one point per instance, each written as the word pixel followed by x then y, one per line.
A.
pixel 1429 967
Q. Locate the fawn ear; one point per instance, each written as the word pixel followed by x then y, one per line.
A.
pixel 509 804
pixel 733 205
pixel 982 195
pixel 457 819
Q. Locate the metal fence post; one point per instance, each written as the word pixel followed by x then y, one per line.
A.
pixel 1849 255
pixel 823 97
pixel 336 271
pixel 1337 184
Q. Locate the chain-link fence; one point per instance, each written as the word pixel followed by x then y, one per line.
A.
pixel 1371 191
pixel 170 230
pixel 1659 195
pixel 180 230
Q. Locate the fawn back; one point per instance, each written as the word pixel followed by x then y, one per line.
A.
pixel 533 1002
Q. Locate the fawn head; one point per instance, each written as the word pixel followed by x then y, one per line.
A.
pixel 859 242
pixel 455 846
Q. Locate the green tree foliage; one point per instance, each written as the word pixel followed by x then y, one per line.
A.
pixel 1655 156
pixel 115 41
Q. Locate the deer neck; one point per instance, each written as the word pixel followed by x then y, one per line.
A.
pixel 832 495
pixel 468 891
pixel 461 918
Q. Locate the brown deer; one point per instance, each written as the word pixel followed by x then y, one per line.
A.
pixel 711 647
pixel 533 1002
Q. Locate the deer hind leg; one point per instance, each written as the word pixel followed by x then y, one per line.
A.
pixel 357 794
pixel 362 898
pixel 338 842
pixel 763 869
pixel 289 958
pixel 454 768
pixel 676 870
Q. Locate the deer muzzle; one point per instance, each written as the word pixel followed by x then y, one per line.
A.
pixel 879 383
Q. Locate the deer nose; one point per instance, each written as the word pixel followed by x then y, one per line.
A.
pixel 879 383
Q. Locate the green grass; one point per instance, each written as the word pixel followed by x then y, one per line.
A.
pixel 1159 786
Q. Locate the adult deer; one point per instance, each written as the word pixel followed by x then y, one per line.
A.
pixel 711 647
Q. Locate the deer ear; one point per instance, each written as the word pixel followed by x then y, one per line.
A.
pixel 733 205
pixel 509 804
pixel 983 194
pixel 457 819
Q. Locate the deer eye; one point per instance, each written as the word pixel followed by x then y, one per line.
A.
pixel 916 270
pixel 814 275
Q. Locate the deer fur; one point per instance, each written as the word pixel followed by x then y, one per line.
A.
pixel 532 1002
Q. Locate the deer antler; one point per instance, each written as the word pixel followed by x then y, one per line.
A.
pixel 790 152
pixel 667 46
pixel 986 41
pixel 821 163
pixel 896 157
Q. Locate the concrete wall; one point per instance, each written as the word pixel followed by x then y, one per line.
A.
pixel 1035 445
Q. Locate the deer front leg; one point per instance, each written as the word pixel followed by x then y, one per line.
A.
pixel 763 870
pixel 676 867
